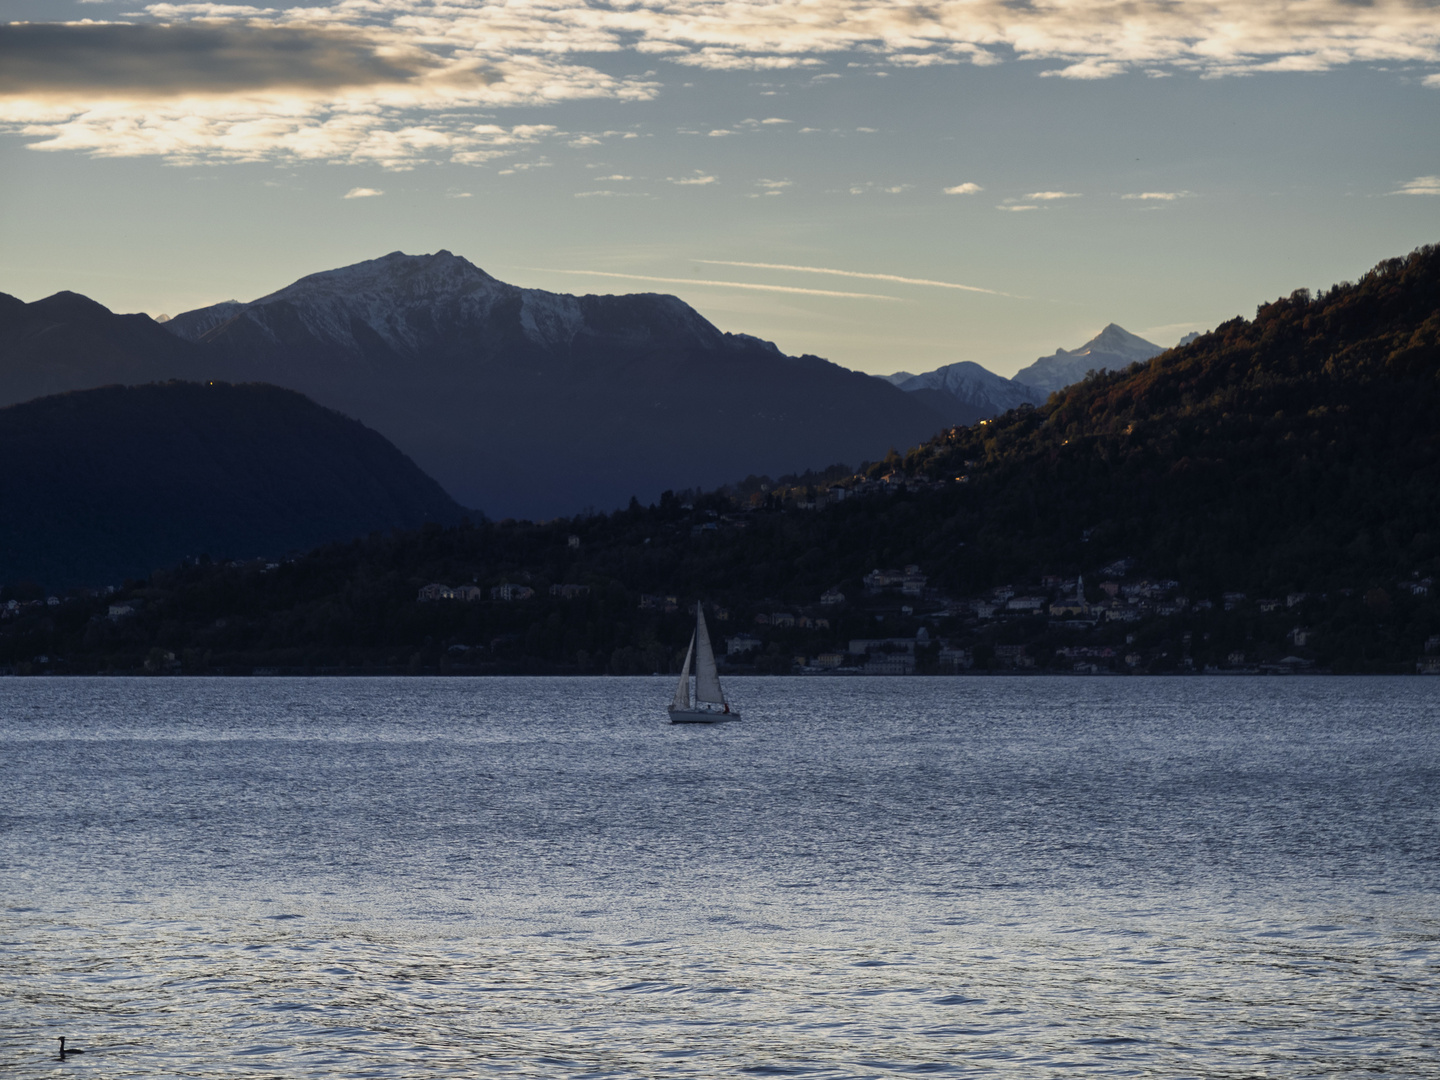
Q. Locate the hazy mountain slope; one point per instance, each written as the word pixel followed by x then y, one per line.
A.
pixel 191 324
pixel 103 484
pixel 1113 349
pixel 529 403
pixel 69 342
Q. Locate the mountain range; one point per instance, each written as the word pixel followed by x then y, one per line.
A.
pixel 529 403
pixel 965 392
pixel 521 402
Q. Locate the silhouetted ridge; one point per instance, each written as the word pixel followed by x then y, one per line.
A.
pixel 103 484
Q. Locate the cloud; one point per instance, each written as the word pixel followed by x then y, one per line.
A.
pixel 1091 67
pixel 699 179
pixel 1158 196
pixel 768 188
pixel 1017 209
pixel 399 82
pixel 361 193
pixel 99 59
pixel 1421 185
pixel 1051 196
pixel 963 189
pixel 730 285
pixel 852 274
pixel 884 189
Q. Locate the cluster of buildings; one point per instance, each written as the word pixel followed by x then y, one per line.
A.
pixel 10 608
pixel 507 592
pixel 855 486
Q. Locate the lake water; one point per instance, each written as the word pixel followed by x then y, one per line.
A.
pixel 866 877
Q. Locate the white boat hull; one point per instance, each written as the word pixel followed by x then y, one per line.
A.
pixel 701 716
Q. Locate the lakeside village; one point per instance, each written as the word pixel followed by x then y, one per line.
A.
pixel 1053 625
pixel 565 597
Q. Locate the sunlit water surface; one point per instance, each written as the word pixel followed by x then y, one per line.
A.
pixel 540 878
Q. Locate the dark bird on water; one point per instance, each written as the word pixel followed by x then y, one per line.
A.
pixel 63 1051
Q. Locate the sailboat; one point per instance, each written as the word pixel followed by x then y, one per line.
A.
pixel 709 706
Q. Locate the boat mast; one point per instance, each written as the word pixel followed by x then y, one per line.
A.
pixel 707 678
pixel 682 692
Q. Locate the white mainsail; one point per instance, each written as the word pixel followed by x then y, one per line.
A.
pixel 682 692
pixel 707 679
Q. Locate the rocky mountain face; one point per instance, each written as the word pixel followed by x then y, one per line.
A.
pixel 115 482
pixel 1113 349
pixel 527 403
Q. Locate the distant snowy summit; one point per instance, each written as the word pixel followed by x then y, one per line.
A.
pixel 966 392
pixel 1111 349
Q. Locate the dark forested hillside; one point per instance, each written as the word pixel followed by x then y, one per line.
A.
pixel 100 485
pixel 1297 449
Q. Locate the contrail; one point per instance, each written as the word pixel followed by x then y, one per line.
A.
pixel 858 274
pixel 727 284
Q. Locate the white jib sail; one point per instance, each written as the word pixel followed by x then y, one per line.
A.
pixel 682 692
pixel 707 679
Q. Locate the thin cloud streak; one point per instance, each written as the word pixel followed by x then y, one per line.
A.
pixel 858 274
pixel 726 284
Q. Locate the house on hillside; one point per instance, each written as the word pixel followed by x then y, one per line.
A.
pixel 435 591
pixel 509 592
pixel 1072 607
pixel 879 580
pixel 913 584
pixel 740 644
pixel 1013 656
pixel 890 664
pixel 953 661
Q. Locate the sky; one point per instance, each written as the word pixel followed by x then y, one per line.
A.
pixel 893 186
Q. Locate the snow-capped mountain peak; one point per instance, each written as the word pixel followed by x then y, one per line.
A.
pixel 965 392
pixel 415 303
pixel 1113 348
pixel 398 277
pixel 1115 340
